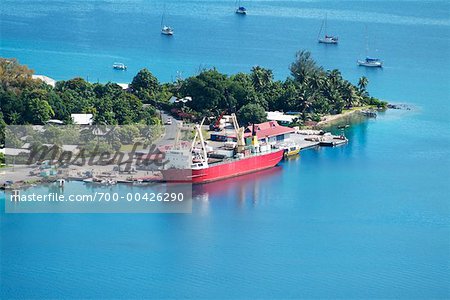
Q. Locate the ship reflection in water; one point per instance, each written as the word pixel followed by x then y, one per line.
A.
pixel 243 189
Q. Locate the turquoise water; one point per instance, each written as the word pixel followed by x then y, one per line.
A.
pixel 369 220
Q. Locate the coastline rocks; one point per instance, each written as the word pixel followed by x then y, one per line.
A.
pixel 398 106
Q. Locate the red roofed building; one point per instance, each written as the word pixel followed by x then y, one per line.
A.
pixel 270 131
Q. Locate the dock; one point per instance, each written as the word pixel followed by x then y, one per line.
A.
pixel 314 138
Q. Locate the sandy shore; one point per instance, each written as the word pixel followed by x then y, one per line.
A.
pixel 328 119
pixel 331 119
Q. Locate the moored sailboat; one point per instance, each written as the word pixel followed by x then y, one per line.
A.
pixel 166 30
pixel 240 10
pixel 119 66
pixel 371 62
pixel 326 39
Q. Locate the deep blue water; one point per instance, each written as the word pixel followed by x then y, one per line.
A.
pixel 368 220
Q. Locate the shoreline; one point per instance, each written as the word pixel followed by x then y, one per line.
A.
pixel 329 120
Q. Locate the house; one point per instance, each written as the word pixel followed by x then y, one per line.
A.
pixel 280 117
pixel 82 119
pixel 124 86
pixel 270 132
pixel 45 79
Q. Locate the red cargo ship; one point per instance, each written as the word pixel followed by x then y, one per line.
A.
pixel 190 166
pixel 224 169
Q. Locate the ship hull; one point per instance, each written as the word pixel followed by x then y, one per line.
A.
pixel 224 170
pixel 370 64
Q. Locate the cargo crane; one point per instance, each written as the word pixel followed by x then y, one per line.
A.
pixel 239 134
pixel 216 125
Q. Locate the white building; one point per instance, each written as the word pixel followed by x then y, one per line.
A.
pixel 280 117
pixel 45 79
pixel 82 119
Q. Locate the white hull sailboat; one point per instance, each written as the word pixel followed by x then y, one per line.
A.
pixel 326 39
pixel 165 30
pixel 119 66
pixel 370 62
pixel 240 10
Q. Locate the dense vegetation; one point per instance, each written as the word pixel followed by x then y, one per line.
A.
pixel 310 91
pixel 27 101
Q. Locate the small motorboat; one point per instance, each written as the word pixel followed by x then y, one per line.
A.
pixel 343 126
pixel 119 66
pixel 290 149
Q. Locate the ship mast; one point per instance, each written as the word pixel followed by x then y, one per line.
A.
pixel 199 134
pixel 239 133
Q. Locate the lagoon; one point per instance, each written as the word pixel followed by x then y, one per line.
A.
pixel 370 219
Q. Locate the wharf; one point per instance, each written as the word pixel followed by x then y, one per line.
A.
pixel 313 139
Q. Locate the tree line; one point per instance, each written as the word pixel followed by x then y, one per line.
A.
pixel 309 91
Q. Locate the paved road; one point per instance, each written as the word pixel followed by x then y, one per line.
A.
pixel 170 130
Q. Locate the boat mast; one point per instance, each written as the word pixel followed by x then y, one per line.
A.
pixel 199 133
pixel 202 141
pixel 367 42
pixel 162 17
pixel 196 135
pixel 326 17
pixel 320 31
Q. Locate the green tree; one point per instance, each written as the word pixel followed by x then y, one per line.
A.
pixel 2 129
pixel 104 111
pixel 145 85
pixel 261 78
pixel 208 91
pixel 128 133
pixel 362 83
pixel 38 110
pixel 304 66
pixel 15 77
pixel 127 109
pixel 240 87
pixel 252 113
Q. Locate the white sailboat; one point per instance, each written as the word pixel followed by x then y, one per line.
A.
pixel 370 62
pixel 326 39
pixel 240 10
pixel 119 66
pixel 166 30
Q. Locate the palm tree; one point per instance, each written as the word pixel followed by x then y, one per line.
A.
pixel 362 83
pixel 335 76
pixel 316 82
pixel 261 78
pixel 350 95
